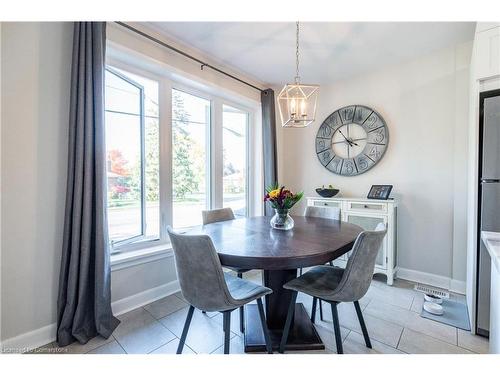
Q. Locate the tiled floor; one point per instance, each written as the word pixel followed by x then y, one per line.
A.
pixel 392 315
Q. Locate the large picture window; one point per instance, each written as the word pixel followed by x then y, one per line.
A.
pixel 190 158
pixel 171 153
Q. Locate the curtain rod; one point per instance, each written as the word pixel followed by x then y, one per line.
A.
pixel 203 64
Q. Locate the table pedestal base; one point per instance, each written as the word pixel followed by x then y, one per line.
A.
pixel 303 335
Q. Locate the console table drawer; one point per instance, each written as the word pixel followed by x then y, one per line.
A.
pixel 320 203
pixel 365 206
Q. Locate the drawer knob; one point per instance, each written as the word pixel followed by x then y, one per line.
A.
pixel 366 206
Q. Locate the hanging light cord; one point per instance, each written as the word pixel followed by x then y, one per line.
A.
pixel 297 78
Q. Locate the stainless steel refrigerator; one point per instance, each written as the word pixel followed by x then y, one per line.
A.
pixel 489 198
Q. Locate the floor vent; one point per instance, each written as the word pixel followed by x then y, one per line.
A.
pixel 431 290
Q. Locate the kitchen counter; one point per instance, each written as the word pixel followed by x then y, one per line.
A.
pixel 492 242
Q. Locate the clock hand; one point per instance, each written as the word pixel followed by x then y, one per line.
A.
pixel 349 142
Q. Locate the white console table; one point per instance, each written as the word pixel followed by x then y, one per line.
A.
pixel 367 213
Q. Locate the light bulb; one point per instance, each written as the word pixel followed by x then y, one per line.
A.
pixel 303 108
pixel 292 107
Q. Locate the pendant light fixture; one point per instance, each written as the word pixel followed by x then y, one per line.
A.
pixel 297 101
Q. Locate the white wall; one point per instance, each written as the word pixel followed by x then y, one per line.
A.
pixel 424 103
pixel 35 86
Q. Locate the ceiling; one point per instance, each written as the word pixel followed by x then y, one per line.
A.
pixel 329 51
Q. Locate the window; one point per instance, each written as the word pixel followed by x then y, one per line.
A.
pixel 190 158
pixel 172 151
pixel 132 149
pixel 234 143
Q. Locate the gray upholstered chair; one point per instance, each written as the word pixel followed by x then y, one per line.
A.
pixel 215 216
pixel 205 286
pixel 335 285
pixel 326 213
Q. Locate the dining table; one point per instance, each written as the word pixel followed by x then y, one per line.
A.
pixel 250 243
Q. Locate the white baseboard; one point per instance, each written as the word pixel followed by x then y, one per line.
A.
pixel 145 297
pixel 30 340
pixel 458 286
pixel 42 336
pixel 431 279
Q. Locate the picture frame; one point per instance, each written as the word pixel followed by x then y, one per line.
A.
pixel 380 192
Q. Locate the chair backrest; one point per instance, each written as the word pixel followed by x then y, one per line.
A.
pixel 324 212
pixel 200 272
pixel 213 216
pixel 359 269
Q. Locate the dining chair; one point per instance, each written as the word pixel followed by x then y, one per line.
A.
pixel 215 216
pixel 335 285
pixel 206 287
pixel 325 213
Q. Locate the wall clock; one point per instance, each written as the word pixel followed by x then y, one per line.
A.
pixel 352 140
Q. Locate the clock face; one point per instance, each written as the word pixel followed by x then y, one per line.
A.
pixel 351 140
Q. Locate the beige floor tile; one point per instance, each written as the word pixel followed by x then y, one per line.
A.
pixel 236 346
pixel 110 348
pixel 171 348
pixel 401 297
pixel 165 306
pixel 417 304
pixel 77 348
pixel 179 295
pixel 328 337
pixel 412 320
pixel 417 343
pixel 477 344
pixel 355 344
pixel 388 312
pixel 205 334
pixel 378 329
pixel 44 349
pixel 140 333
pixel 235 321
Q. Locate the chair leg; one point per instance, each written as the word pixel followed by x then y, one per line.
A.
pixel 313 312
pixel 242 311
pixel 321 310
pixel 362 324
pixel 185 330
pixel 330 263
pixel 288 322
pixel 300 271
pixel 269 346
pixel 336 327
pixel 226 319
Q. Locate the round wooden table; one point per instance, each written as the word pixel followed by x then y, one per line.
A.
pixel 251 243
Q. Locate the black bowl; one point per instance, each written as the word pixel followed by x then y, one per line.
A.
pixel 327 193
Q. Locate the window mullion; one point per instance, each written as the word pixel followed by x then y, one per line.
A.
pixel 217 155
pixel 143 164
pixel 166 190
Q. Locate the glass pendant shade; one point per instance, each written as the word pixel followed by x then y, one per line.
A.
pixel 297 104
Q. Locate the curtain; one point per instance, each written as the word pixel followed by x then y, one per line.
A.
pixel 84 300
pixel 269 139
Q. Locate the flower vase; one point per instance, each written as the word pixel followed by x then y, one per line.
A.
pixel 282 220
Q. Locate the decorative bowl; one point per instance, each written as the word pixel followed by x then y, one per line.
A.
pixel 327 193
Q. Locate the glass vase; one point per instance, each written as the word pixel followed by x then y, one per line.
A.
pixel 282 220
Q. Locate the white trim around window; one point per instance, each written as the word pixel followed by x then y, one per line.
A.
pixel 214 148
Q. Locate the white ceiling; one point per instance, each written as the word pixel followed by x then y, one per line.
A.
pixel 329 51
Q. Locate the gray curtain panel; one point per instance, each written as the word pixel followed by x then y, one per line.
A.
pixel 269 139
pixel 84 301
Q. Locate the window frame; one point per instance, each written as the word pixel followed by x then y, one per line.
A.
pixel 166 83
pixel 247 152
pixel 142 236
